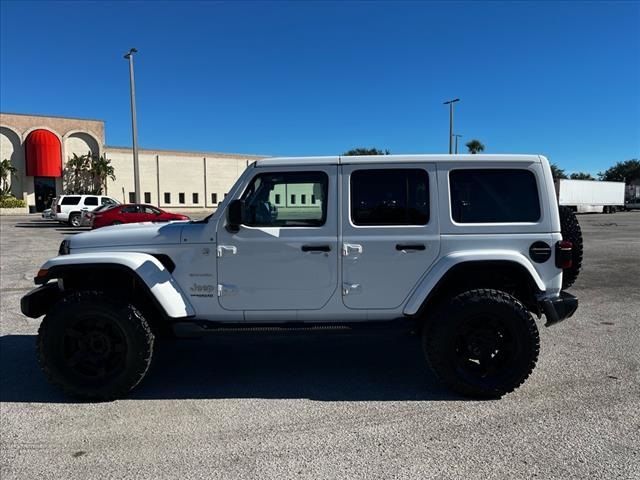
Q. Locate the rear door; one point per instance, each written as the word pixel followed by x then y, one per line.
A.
pixel 390 234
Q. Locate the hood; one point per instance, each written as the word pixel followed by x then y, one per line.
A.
pixel 128 234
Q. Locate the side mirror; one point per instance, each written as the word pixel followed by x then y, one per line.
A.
pixel 235 215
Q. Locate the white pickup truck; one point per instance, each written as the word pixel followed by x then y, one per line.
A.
pixel 465 250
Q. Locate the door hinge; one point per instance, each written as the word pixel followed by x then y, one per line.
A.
pixel 348 248
pixel 226 248
pixel 351 289
pixel 224 290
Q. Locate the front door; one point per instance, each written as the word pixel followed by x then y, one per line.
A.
pixel 285 254
pixel 45 190
pixel 390 234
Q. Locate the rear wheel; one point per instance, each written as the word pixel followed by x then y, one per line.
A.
pixel 74 219
pixel 570 229
pixel 93 348
pixel 482 343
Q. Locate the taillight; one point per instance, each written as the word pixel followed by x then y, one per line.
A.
pixel 564 254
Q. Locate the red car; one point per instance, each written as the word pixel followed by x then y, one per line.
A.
pixel 131 213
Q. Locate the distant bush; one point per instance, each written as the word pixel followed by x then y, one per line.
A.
pixel 12 202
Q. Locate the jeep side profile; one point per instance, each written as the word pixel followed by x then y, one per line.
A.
pixel 465 250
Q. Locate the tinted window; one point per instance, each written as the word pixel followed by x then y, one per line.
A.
pixel 260 200
pixel 150 210
pixel 91 201
pixel 70 201
pixel 494 196
pixel 108 201
pixel 390 197
pixel 129 209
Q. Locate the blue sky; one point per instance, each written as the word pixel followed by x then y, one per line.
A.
pixel 303 78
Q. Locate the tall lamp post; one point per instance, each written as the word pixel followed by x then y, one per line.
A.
pixel 457 137
pixel 450 103
pixel 134 128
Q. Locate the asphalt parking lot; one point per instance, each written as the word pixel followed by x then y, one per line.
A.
pixel 332 406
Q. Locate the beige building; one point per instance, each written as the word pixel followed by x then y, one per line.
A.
pixel 39 147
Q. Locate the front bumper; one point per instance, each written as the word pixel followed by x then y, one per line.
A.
pixel 558 309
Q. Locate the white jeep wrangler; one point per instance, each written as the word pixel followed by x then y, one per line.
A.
pixel 461 249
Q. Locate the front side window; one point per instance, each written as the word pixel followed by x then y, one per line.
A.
pixel 263 208
pixel 390 197
pixel 494 196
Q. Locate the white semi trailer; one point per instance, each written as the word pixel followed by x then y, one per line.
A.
pixel 584 196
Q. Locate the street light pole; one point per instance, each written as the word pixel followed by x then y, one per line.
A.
pixel 134 128
pixel 450 103
pixel 457 137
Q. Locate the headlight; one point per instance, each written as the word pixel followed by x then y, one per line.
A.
pixel 64 248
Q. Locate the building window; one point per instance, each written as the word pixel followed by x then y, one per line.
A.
pixel 167 197
pixel 147 197
pixel 195 198
pixel 293 199
pixel 303 200
pixel 214 198
pixel 132 197
pixel 181 197
pixel 277 199
pixel 225 195
pixel 313 199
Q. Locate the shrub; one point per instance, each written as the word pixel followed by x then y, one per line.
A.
pixel 12 202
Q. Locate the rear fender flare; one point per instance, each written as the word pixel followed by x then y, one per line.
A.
pixel 446 263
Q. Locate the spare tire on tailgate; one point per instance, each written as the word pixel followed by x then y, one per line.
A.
pixel 570 229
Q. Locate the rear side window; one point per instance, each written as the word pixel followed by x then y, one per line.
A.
pixel 91 201
pixel 494 196
pixel 70 201
pixel 390 197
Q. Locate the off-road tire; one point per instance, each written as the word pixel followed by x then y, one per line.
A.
pixel 59 329
pixel 570 229
pixel 446 345
pixel 74 220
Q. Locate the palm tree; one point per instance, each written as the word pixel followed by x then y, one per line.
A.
pixel 581 176
pixel 100 170
pixel 77 166
pixel 475 146
pixel 6 171
pixel 557 172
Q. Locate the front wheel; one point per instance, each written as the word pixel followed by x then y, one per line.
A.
pixel 482 343
pixel 93 348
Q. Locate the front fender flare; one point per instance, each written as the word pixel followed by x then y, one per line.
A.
pixel 148 269
pixel 440 269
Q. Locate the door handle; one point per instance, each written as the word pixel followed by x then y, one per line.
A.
pixel 347 248
pixel 416 246
pixel 316 248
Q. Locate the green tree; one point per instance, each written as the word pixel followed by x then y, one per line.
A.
pixel 6 172
pixel 622 172
pixel 77 169
pixel 100 169
pixel 475 146
pixel 557 172
pixel 365 151
pixel 581 176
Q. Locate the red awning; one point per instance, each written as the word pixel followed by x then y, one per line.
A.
pixel 43 154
